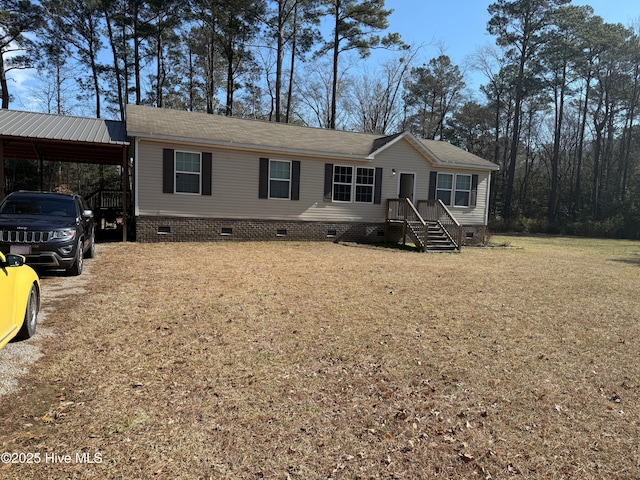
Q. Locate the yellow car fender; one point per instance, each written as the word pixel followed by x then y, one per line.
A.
pixel 19 298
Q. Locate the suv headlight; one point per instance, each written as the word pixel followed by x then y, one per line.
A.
pixel 67 234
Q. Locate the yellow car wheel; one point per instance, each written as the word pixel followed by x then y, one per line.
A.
pixel 30 315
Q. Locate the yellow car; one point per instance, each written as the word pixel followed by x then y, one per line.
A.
pixel 19 298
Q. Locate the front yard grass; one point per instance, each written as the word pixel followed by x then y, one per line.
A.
pixel 319 360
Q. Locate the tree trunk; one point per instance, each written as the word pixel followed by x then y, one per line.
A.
pixel 552 212
pixel 595 181
pixel 229 107
pixel 583 127
pixel 279 59
pixel 515 140
pixel 136 56
pixel 96 82
pixel 334 82
pixel 159 71
pixel 292 63
pixel 116 63
pixel 3 84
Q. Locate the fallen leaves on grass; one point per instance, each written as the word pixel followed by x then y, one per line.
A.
pixel 290 360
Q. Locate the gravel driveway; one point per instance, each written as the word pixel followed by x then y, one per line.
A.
pixel 18 356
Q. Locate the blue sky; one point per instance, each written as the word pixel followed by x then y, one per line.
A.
pixel 460 26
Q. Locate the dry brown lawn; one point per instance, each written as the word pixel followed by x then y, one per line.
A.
pixel 329 361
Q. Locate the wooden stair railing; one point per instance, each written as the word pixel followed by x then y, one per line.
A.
pixel 436 211
pixel 103 199
pixel 413 225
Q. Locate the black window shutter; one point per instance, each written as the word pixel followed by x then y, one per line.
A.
pixel 168 172
pixel 295 180
pixel 206 173
pixel 263 188
pixel 433 179
pixel 377 194
pixel 473 201
pixel 328 181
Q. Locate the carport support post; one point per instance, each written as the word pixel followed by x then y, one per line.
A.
pixel 1 168
pixel 125 183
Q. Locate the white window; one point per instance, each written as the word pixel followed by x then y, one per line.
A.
pixel 342 183
pixel 345 183
pixel 454 190
pixel 279 179
pixel 188 171
pixel 365 178
pixel 444 188
pixel 463 190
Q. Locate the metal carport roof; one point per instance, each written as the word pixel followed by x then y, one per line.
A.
pixel 60 138
pixel 30 135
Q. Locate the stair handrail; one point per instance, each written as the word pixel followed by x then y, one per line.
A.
pixel 417 217
pixel 403 209
pixel 106 198
pixel 437 211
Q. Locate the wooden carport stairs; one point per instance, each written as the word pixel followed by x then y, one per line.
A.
pixel 439 232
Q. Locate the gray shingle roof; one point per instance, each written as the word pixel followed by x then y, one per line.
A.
pixel 181 126
pixel 229 131
pixel 446 153
pixel 42 126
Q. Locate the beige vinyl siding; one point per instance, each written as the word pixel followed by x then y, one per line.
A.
pixel 405 159
pixel 471 215
pixel 235 179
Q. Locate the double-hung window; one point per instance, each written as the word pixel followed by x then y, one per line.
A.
pixel 444 188
pixel 279 179
pixel 365 179
pixel 463 191
pixel 342 183
pixel 350 186
pixel 454 190
pixel 187 172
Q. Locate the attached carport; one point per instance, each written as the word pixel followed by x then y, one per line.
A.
pixel 58 138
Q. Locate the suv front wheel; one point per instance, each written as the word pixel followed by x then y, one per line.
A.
pixel 91 251
pixel 76 268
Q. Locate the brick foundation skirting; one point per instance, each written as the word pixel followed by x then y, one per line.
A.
pixel 474 234
pixel 183 229
pixel 180 229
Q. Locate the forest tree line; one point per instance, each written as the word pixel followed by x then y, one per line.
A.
pixel 558 110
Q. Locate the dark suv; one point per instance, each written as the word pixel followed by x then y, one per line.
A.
pixel 51 230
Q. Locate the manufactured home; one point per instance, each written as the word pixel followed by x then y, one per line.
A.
pixel 202 177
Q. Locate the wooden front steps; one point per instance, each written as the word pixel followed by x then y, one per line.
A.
pixel 430 235
pixel 437 239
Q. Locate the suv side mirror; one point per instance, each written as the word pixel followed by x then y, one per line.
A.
pixel 87 213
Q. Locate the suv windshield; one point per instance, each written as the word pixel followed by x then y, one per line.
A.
pixel 55 207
